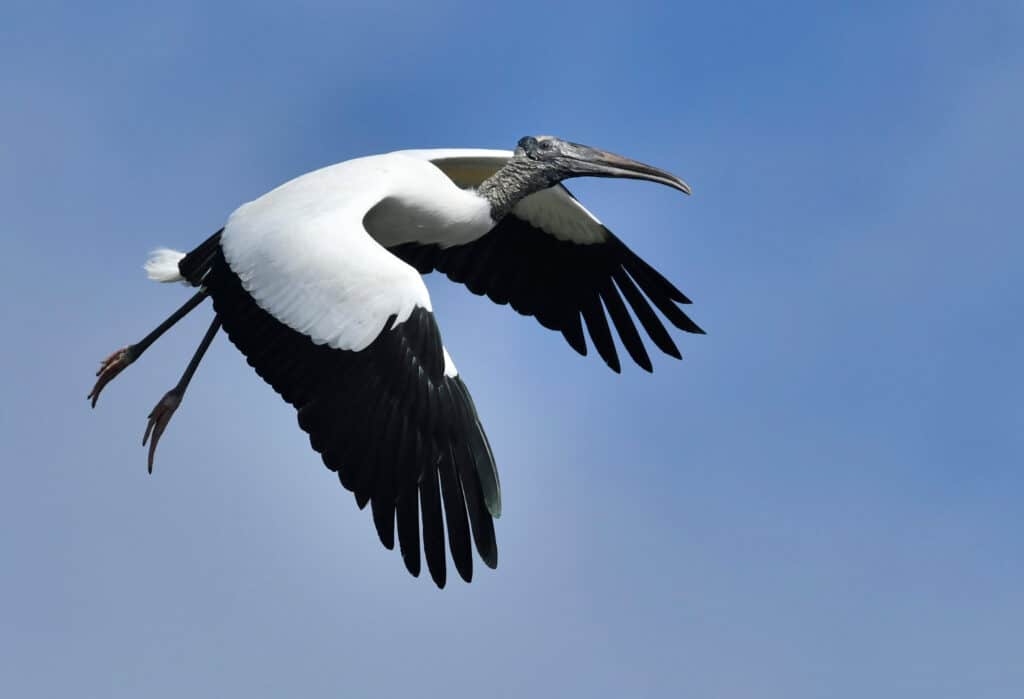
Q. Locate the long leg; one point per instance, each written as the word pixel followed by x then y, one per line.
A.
pixel 165 407
pixel 119 360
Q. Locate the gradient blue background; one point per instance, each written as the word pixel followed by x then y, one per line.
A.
pixel 824 499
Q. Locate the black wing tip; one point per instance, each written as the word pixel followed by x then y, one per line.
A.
pixel 683 321
pixel 493 505
pixel 384 522
pixel 491 559
pixel 362 499
pixel 638 266
pixel 577 343
pixel 412 565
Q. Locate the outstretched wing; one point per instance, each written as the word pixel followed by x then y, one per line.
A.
pixel 552 259
pixel 343 330
pixel 399 429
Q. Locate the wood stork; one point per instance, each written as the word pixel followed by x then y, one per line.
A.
pixel 318 284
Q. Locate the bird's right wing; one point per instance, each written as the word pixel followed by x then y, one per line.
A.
pixel 552 259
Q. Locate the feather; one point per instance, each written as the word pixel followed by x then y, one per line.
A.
pixel 162 266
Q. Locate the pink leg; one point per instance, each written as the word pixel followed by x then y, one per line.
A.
pixel 165 407
pixel 122 358
pixel 111 367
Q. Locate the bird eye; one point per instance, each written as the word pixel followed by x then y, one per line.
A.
pixel 545 145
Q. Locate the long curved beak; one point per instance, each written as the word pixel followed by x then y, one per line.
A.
pixel 593 162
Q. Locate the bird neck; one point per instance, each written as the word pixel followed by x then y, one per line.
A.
pixel 513 182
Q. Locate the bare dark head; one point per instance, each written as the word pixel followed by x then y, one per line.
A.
pixel 559 160
pixel 540 162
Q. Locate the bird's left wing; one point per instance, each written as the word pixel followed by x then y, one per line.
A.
pixel 554 260
pixel 344 332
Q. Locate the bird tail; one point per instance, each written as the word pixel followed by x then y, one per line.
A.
pixel 162 266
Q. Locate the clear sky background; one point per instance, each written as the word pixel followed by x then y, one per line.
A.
pixel 823 499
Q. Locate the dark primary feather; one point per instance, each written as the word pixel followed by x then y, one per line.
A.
pixel 399 434
pixel 564 285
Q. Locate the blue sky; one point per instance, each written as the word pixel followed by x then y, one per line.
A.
pixel 823 498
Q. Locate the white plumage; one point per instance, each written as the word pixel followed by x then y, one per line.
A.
pixel 162 265
pixel 302 253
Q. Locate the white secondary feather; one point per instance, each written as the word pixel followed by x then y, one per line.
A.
pixel 302 252
pixel 553 210
pixel 162 265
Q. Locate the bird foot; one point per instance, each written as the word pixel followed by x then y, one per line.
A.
pixel 158 419
pixel 109 368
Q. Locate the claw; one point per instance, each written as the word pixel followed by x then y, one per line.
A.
pixel 158 419
pixel 109 368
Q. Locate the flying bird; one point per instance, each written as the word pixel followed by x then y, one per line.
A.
pixel 318 283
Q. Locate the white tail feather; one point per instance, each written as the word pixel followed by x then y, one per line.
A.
pixel 162 265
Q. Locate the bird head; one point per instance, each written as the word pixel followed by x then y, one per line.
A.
pixel 559 160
